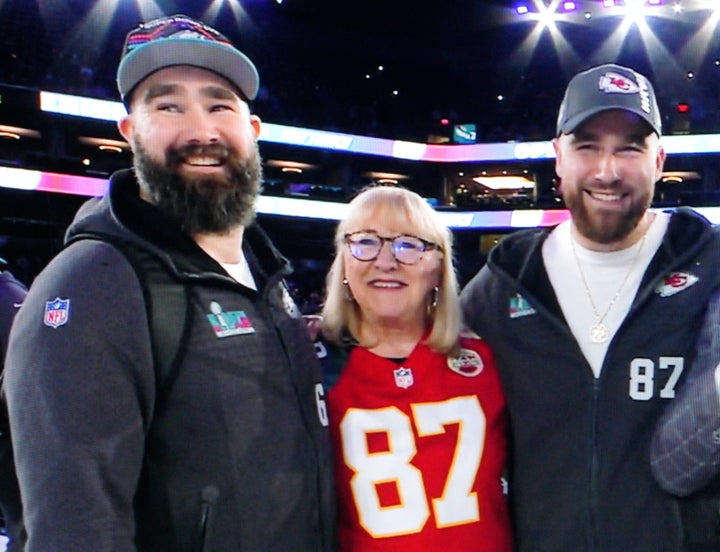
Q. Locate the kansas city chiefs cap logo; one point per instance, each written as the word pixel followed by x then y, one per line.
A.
pixel 616 83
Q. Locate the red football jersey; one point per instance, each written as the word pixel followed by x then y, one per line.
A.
pixel 420 450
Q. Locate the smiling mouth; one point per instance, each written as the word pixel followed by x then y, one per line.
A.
pixel 604 196
pixel 386 285
pixel 202 161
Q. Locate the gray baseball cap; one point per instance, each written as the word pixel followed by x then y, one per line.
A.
pixel 606 87
pixel 180 40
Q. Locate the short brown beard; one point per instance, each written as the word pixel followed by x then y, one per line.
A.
pixel 607 231
pixel 212 204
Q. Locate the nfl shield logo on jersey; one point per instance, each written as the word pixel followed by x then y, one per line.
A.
pixel 57 312
pixel 403 377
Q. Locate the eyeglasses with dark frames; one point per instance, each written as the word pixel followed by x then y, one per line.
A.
pixel 366 245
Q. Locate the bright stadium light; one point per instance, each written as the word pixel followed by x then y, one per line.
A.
pixel 712 5
pixel 635 10
pixel 546 15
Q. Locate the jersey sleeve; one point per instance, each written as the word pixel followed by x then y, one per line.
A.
pixel 79 384
pixel 685 451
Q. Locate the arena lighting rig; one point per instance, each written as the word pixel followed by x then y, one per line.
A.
pixel 107 110
pixel 673 37
pixel 33 180
pixel 567 10
pixel 23 179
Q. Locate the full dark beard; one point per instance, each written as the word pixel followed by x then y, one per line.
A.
pixel 604 228
pixel 205 204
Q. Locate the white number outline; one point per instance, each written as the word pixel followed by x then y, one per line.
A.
pixel 678 365
pixel 642 377
pixel 458 503
pixel 321 404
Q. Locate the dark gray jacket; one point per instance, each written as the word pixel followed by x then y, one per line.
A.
pixel 236 458
pixel 580 469
pixel 12 294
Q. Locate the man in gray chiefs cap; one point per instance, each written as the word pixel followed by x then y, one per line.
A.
pixel 227 449
pixel 593 323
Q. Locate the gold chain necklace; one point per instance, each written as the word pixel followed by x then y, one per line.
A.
pixel 599 332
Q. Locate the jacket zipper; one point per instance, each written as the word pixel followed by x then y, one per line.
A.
pixel 594 469
pixel 315 446
pixel 209 497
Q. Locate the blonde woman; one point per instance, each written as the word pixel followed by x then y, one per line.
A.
pixel 417 415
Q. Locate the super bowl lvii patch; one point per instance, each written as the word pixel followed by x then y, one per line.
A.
pixel 225 324
pixel 519 307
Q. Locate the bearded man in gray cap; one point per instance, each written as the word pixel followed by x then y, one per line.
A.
pixel 593 323
pixel 227 449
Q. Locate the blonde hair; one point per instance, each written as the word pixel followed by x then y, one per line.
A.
pixel 412 213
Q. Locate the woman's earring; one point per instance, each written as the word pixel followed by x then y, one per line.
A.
pixel 435 297
pixel 348 293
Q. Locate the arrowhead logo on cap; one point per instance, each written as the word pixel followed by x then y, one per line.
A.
pixel 616 83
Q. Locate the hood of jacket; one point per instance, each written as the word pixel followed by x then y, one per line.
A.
pixel 519 255
pixel 122 215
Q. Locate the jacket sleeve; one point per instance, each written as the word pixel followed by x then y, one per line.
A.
pixel 12 294
pixel 79 392
pixel 685 450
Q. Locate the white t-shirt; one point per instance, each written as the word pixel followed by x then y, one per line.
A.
pixel 604 272
pixel 241 272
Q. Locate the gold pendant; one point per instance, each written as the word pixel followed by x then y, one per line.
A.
pixel 599 333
